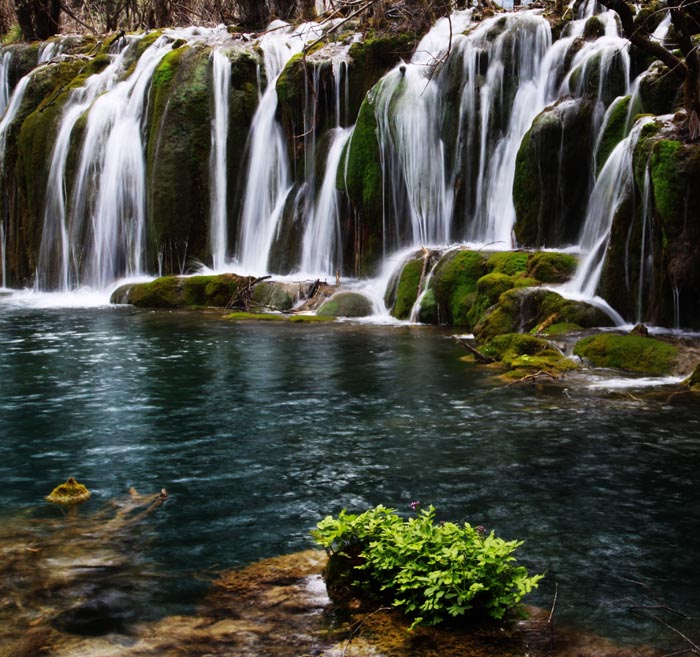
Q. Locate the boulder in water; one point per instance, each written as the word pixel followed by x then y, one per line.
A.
pixel 346 304
pixel 632 353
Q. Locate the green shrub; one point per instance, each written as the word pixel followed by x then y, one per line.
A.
pixel 431 571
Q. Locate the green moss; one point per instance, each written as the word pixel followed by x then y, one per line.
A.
pixel 407 288
pixel 667 179
pixel 489 289
pixel 360 177
pixel 371 58
pixel 508 262
pixel 180 292
pixel 346 304
pixel 551 267
pixel 454 282
pixel 615 130
pixel 632 353
pixel 560 328
pixel 278 317
pixel 693 381
pixel 524 309
pixel 178 157
pixel 524 352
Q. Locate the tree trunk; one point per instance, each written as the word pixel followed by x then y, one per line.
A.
pixel 38 19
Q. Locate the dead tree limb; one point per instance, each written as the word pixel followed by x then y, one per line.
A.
pixel 473 350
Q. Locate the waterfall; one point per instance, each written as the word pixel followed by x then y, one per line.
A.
pixel 54 268
pixel 109 216
pixel 13 107
pixel 221 73
pixel 3 260
pixel 268 177
pixel 613 186
pixel 322 250
pixel 5 81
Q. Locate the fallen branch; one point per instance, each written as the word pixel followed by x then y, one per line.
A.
pixel 533 377
pixel 244 297
pixel 477 354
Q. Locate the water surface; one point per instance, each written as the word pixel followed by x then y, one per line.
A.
pixel 258 430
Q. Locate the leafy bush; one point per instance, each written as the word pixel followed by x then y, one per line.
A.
pixel 430 571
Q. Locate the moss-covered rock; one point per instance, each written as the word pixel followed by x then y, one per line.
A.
pixel 454 284
pixel 615 129
pixel 360 177
pixel 652 269
pixel 693 381
pixel 181 291
pixel 371 58
pixel 525 353
pixel 178 158
pixel 274 295
pixel 402 295
pixel 552 176
pixel 511 263
pixel 632 353
pixel 551 267
pixel 522 310
pixel 659 90
pixel 346 304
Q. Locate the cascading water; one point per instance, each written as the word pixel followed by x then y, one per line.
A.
pixel 111 224
pixel 5 81
pixel 221 74
pixel 321 245
pixel 55 269
pixel 613 186
pixel 268 177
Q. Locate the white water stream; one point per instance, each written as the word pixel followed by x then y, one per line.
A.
pixel 221 82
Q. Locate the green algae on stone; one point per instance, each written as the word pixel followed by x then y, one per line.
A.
pixel 632 353
pixel 551 266
pixel 693 381
pixel 521 310
pixel 181 291
pixel 71 492
pixel 279 317
pixel 518 352
pixel 360 177
pixel 346 304
pixel 454 283
pixel 406 289
pixel 177 157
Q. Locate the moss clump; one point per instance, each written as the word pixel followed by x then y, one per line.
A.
pixel 615 130
pixel 551 267
pixel 371 58
pixel 693 381
pixel 632 353
pixel 524 309
pixel 508 262
pixel 275 317
pixel 526 353
pixel 71 492
pixel 407 288
pixel 455 284
pixel 346 304
pixel 180 292
pixel 668 181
